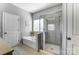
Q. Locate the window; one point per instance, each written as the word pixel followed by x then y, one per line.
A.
pixel 41 25
pixel 38 25
pixel 51 26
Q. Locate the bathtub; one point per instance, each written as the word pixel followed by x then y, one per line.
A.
pixel 30 41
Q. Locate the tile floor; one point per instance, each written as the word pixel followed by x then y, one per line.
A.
pixel 53 49
pixel 25 50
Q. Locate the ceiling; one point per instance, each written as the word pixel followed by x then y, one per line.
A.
pixel 34 7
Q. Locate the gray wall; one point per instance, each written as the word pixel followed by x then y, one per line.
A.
pixel 47 12
pixel 24 16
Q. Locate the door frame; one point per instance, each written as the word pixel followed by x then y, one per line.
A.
pixel 64 29
pixel 2 26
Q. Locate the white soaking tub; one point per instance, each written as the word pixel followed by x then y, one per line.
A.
pixel 30 41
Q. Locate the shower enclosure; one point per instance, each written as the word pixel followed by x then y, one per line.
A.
pixel 50 26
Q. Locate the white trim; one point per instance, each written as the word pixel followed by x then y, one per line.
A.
pixel 64 41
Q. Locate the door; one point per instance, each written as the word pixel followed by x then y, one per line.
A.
pixel 11 30
pixel 53 30
pixel 72 28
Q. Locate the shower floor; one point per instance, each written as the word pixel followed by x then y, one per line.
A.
pixel 54 49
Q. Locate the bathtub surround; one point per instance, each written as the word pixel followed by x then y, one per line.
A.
pixel 31 41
